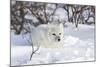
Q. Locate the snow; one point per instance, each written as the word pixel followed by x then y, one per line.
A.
pixel 79 45
pixel 91 19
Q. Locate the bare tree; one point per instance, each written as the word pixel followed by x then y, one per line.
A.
pixel 17 17
pixel 77 13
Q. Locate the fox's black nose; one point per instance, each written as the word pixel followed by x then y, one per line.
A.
pixel 58 39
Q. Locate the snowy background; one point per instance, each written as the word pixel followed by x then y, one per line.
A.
pixel 79 35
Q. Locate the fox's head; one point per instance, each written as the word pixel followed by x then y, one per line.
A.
pixel 55 32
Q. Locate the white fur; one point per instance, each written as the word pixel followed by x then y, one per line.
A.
pixel 43 35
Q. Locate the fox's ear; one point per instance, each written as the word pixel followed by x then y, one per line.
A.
pixel 61 24
pixel 48 23
pixel 55 23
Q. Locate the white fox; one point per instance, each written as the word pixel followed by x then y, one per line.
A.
pixel 47 36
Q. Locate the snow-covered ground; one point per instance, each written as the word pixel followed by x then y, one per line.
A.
pixel 79 45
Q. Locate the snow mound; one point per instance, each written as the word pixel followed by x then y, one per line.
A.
pixel 79 45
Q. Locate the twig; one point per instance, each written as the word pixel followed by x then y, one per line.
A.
pixel 34 51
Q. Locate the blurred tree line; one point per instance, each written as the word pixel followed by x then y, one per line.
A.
pixel 36 13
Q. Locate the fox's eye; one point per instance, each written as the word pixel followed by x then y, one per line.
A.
pixel 54 34
pixel 59 33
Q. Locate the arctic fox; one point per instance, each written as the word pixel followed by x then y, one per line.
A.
pixel 47 35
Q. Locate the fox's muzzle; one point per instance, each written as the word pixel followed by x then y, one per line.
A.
pixel 58 38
